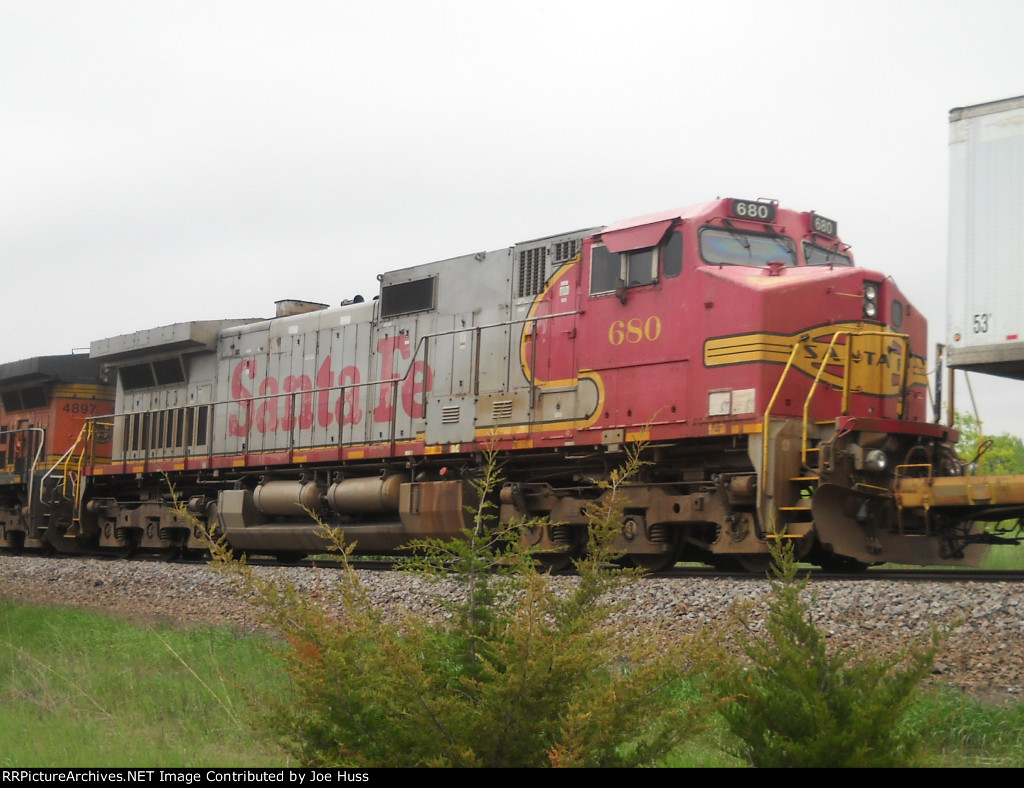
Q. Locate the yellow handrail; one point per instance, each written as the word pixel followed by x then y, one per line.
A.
pixel 70 468
pixel 846 377
pixel 814 386
pixel 768 412
pixel 847 367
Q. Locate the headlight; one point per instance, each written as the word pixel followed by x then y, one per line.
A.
pixel 871 290
pixel 876 460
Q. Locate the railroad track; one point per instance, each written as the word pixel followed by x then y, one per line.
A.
pixel 679 571
pixel 940 575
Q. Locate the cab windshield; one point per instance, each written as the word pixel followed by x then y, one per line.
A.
pixel 819 255
pixel 736 247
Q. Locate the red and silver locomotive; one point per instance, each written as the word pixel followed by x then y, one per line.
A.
pixel 776 388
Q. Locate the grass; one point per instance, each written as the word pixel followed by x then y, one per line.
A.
pixel 999 557
pixel 954 732
pixel 84 690
pixel 958 732
pixel 1005 557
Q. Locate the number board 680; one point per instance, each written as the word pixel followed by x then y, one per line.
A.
pixel 758 211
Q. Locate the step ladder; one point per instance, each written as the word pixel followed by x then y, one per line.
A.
pixel 794 510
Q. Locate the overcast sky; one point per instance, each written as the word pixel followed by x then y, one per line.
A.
pixel 171 161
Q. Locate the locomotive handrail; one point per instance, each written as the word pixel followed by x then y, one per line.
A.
pixel 765 434
pixel 814 387
pixel 35 460
pixel 87 428
pixel 899 469
pixel 79 488
pixel 419 351
pixel 85 439
pixel 850 333
pixel 766 437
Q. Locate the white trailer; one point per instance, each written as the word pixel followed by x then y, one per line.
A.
pixel 986 238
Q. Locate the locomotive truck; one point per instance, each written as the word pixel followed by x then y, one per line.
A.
pixel 776 389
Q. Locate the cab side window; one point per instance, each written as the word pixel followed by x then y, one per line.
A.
pixel 635 268
pixel 605 270
pixel 672 255
pixel 641 267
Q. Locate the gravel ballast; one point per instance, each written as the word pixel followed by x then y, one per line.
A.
pixel 984 655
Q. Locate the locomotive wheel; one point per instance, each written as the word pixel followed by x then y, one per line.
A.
pixel 652 562
pixel 755 564
pixel 841 564
pixel 723 563
pixel 46 549
pixel 173 551
pixel 15 543
pixel 130 545
pixel 550 563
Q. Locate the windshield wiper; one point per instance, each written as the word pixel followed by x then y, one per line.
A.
pixel 744 241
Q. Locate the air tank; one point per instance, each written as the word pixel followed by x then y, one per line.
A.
pixel 367 495
pixel 287 498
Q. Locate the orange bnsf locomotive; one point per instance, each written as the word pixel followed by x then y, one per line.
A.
pixel 48 408
pixel 775 388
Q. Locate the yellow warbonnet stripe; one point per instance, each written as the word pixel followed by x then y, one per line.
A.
pixel 877 363
pixel 747 348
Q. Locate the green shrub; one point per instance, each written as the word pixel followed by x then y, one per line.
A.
pixel 794 704
pixel 523 674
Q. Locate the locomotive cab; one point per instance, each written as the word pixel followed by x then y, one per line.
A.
pixel 731 337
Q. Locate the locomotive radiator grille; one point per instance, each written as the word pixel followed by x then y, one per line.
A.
pixel 450 414
pixel 566 250
pixel 532 274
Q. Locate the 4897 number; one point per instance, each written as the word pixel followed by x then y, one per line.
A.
pixel 80 408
